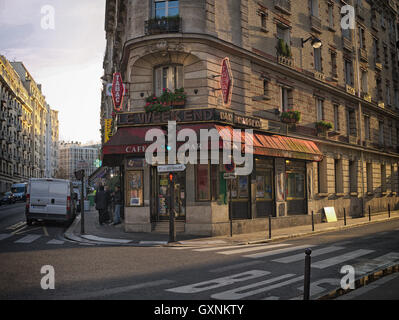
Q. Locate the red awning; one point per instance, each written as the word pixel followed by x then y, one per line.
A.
pixel 286 147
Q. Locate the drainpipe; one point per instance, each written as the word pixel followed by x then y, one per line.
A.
pixel 360 117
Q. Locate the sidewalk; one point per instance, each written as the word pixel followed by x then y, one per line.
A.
pixel 96 234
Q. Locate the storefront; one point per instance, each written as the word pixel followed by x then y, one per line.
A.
pixel 276 187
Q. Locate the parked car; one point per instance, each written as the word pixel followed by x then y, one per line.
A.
pixel 50 200
pixel 7 198
pixel 19 191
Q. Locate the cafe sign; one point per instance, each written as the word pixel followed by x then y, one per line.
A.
pixel 226 81
pixel 117 91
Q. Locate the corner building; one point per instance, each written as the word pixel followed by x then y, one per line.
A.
pixel 342 153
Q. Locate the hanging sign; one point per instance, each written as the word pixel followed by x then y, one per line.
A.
pixel 118 90
pixel 226 81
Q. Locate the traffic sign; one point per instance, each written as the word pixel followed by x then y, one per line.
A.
pixel 171 168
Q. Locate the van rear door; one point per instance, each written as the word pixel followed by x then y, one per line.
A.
pixel 58 193
pixel 38 197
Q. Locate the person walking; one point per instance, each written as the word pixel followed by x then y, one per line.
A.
pixel 117 200
pixel 101 201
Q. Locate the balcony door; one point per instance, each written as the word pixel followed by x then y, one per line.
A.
pixel 166 8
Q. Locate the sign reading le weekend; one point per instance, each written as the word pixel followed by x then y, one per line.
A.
pixel 186 116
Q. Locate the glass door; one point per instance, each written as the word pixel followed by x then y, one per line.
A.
pixel 179 196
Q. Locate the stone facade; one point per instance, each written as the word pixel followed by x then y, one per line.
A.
pixel 351 81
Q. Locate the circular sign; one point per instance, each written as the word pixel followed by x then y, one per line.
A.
pixel 230 167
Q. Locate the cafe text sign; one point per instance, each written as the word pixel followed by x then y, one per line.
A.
pixel 226 81
pixel 188 116
pixel 117 91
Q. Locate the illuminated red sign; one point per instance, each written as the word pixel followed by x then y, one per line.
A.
pixel 226 81
pixel 117 91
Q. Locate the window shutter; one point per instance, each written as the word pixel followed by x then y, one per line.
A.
pixel 179 77
pixel 158 81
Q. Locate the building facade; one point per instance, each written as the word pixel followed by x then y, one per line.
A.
pixel 74 156
pixel 52 141
pixel 326 118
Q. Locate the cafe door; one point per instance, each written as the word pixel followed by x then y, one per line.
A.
pixel 296 187
pixel 160 185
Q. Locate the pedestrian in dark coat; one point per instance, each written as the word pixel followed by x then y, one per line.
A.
pixel 101 201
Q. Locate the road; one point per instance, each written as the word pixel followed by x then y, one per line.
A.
pixel 271 271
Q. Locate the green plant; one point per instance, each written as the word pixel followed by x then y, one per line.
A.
pixel 165 100
pixel 290 116
pixel 324 125
pixel 283 49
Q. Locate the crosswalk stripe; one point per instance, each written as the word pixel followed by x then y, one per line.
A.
pixel 181 248
pixel 229 247
pixel 4 236
pixel 339 259
pixel 315 253
pixel 263 247
pixel 376 263
pixel 55 241
pixel 279 251
pixel 29 238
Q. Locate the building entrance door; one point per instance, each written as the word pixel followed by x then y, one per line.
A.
pixel 296 187
pixel 179 196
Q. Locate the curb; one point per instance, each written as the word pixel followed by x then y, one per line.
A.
pixel 91 239
pixel 364 281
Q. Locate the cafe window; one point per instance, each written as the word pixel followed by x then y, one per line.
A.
pixel 207 182
pixel 239 188
pixel 168 77
pixel 264 180
pixel 134 188
pixel 295 180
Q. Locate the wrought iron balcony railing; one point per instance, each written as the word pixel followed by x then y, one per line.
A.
pixel 163 25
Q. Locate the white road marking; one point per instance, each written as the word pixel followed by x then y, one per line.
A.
pixel 339 259
pixel 271 298
pixel 29 238
pixel 371 286
pixel 153 242
pixel 301 256
pixel 16 225
pixel 55 241
pixel 243 292
pixel 229 247
pixel 95 238
pixel 45 231
pixel 181 248
pixel 108 292
pixel 5 236
pixel 376 263
pixel 263 247
pixel 203 242
pixel 236 266
pixel 219 282
pixel 279 251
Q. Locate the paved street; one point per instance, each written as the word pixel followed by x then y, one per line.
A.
pixel 212 271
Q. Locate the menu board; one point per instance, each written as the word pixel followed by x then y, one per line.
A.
pixel 134 188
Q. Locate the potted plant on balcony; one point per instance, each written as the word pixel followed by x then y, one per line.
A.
pixel 323 126
pixel 290 116
pixel 283 49
pixel 166 100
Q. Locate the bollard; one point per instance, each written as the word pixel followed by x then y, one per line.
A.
pixel 369 213
pixel 312 221
pixel 270 226
pixel 389 210
pixel 306 284
pixel 344 217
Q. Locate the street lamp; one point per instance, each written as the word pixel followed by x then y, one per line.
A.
pixel 316 42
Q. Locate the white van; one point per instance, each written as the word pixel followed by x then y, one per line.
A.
pixel 50 199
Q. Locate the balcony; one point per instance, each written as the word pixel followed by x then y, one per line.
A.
pixel 347 44
pixel 319 76
pixel 287 61
pixel 315 24
pixel 163 25
pixel 350 90
pixel 283 5
pixel 363 55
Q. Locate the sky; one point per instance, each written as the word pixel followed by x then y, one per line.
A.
pixel 62 44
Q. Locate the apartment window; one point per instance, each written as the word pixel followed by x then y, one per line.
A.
pixel 381 132
pixel 367 135
pixel 166 8
pixel 168 77
pixel 334 69
pixel 369 173
pixel 349 72
pixel 353 176
pixel 364 81
pixel 390 129
pixel 317 59
pixel 351 122
pixel 338 176
pixel 383 178
pixel 331 16
pixel 379 89
pixel 285 95
pixel 266 87
pixel 362 38
pixel 382 19
pixel 396 97
pixel 336 117
pixel 388 94
pixel 386 55
pixel 314 8
pixel 283 33
pixel 319 109
pixel 263 20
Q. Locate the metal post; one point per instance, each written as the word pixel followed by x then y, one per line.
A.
pixel 172 231
pixel 82 207
pixel 344 217
pixel 389 210
pixel 369 213
pixel 231 209
pixel 312 222
pixel 306 285
pixel 270 226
